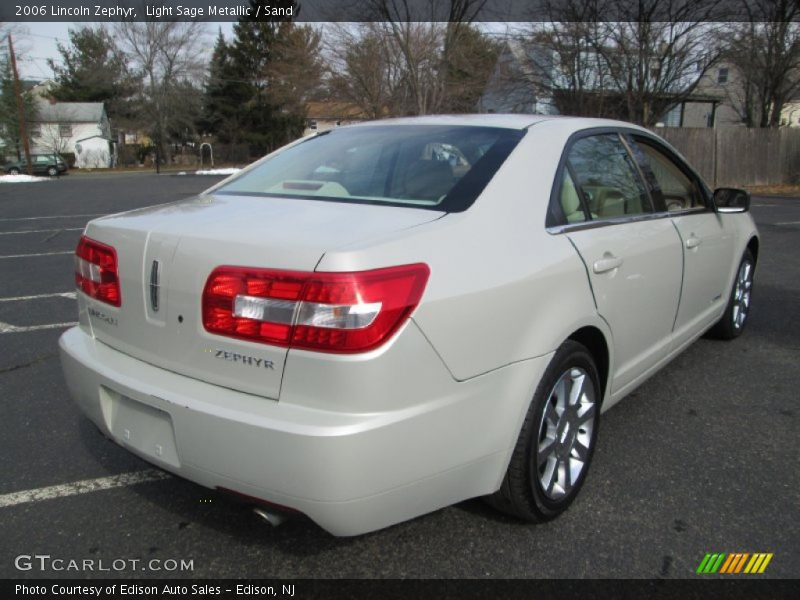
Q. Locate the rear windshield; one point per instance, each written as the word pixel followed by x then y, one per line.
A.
pixel 425 166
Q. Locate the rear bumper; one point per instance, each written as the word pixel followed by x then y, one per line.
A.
pixel 351 472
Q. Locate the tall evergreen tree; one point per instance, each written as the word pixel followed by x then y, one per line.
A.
pixel 252 51
pixel 223 96
pixel 258 84
pixel 469 64
pixel 93 69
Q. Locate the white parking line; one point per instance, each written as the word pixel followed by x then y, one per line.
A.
pixel 41 230
pixel 50 217
pixel 37 254
pixel 82 487
pixel 9 328
pixel 70 295
pixel 789 223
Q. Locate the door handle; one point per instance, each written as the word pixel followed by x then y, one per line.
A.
pixel 609 262
pixel 693 241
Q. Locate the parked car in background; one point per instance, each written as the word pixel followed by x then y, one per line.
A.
pixel 388 318
pixel 43 164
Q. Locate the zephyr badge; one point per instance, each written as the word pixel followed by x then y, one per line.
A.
pixel 154 285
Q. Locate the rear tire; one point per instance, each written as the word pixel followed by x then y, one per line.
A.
pixel 736 314
pixel 556 444
pixel 13 171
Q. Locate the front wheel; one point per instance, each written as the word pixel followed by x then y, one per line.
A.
pixel 554 448
pixel 734 318
pixel 52 171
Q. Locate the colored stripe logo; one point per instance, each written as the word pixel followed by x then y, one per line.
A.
pixel 735 563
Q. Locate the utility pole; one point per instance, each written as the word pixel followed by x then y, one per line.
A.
pixel 20 107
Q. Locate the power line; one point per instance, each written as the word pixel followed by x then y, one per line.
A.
pixel 48 37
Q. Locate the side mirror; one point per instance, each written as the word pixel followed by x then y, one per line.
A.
pixel 731 200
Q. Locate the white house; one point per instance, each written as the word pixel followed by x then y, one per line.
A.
pixel 78 127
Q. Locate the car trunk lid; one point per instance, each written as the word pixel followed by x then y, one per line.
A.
pixel 166 254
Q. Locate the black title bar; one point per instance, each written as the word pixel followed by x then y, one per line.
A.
pixel 391 10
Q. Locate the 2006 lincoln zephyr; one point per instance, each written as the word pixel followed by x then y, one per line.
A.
pixel 388 318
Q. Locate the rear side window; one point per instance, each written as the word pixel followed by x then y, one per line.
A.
pixel 425 166
pixel 570 200
pixel 607 178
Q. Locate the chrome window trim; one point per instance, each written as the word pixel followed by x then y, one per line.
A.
pixel 595 223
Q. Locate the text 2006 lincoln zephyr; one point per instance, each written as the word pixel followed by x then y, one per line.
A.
pixel 382 320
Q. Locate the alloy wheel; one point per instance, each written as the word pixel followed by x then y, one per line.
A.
pixel 565 433
pixel 741 294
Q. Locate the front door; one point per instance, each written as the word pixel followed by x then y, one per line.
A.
pixel 707 246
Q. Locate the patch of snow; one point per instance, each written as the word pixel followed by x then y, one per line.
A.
pixel 229 171
pixel 21 178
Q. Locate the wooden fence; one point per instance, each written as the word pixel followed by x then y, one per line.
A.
pixel 737 156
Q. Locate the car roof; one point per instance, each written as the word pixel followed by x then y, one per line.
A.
pixel 505 121
pixel 477 120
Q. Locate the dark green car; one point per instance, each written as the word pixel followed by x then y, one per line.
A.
pixel 43 164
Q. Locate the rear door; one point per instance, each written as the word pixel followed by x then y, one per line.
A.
pixel 633 260
pixel 707 246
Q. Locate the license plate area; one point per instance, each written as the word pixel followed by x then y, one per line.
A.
pixel 140 427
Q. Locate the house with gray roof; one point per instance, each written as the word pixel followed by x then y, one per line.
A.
pixel 81 128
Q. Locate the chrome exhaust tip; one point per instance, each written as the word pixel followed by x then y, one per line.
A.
pixel 269 516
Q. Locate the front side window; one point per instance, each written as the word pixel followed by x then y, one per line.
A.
pixel 607 178
pixel 676 189
pixel 425 166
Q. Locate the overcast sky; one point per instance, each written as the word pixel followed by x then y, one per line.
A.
pixel 36 42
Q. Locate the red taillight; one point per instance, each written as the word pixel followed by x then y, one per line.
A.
pixel 96 272
pixel 330 312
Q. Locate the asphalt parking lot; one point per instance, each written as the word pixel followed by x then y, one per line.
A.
pixel 705 457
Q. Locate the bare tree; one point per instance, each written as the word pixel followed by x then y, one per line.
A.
pixel 167 57
pixel 558 61
pixel 399 65
pixel 362 70
pixel 426 50
pixel 632 59
pixel 764 52
pixel 658 53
